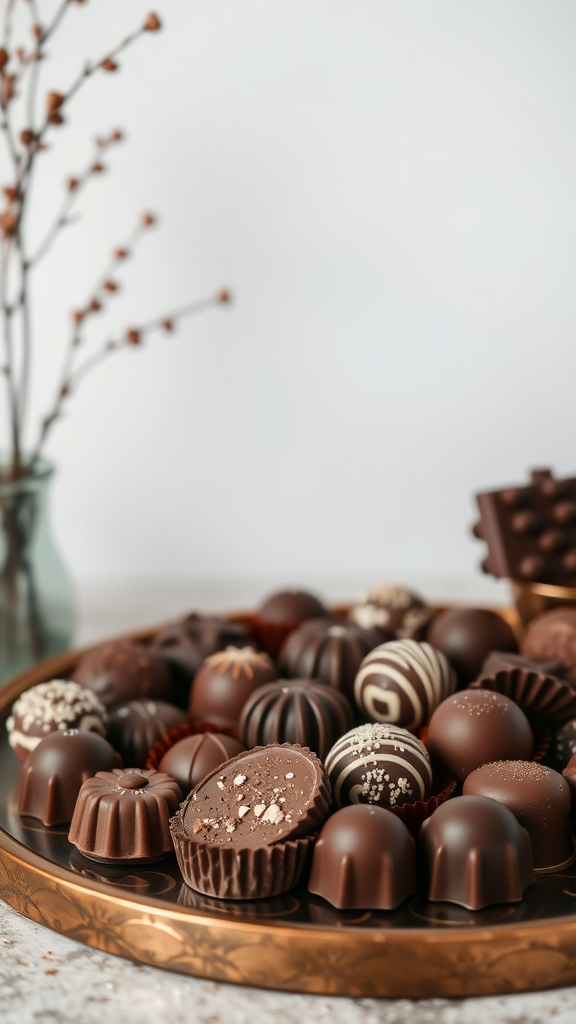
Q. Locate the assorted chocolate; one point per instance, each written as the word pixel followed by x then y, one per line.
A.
pixel 326 650
pixel 185 643
pixel 194 757
pixel 122 671
pixel 134 727
pixel 224 683
pixel 379 764
pixel 53 707
pixel 304 711
pixel 552 637
pixel 466 636
pixel 395 611
pixel 403 682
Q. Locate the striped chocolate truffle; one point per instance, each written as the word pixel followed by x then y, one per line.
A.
pixel 379 764
pixel 403 682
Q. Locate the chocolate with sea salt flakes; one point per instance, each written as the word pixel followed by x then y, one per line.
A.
pixel 378 763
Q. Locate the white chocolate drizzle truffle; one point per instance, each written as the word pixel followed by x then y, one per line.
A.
pixel 379 764
pixel 48 707
pixel 403 682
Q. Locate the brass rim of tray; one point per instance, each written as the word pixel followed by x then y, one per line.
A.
pixel 348 961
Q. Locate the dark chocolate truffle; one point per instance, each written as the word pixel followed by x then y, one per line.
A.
pixel 49 707
pixel 402 682
pixel 326 650
pixel 364 859
pixel 474 727
pixel 194 757
pixel 226 681
pixel 379 764
pixel 475 853
pixel 245 831
pixel 123 816
pixel 136 726
pixel 185 644
pixel 467 635
pixel 122 671
pixel 282 613
pixel 552 637
pixel 539 798
pixel 304 711
pixel 55 770
pixel 396 611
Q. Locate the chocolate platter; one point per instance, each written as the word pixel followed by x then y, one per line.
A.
pixel 295 942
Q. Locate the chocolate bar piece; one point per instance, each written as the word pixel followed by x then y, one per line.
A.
pixel 530 530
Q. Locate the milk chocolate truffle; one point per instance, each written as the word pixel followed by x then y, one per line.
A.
pixel 396 611
pixel 123 816
pixel 379 764
pixel 474 727
pixel 135 727
pixel 364 859
pixel 194 757
pixel 402 682
pixel 55 770
pixel 185 644
pixel 282 613
pixel 245 831
pixel 539 798
pixel 304 711
pixel 122 671
pixel 226 681
pixel 326 650
pixel 467 635
pixel 552 637
pixel 49 707
pixel 474 852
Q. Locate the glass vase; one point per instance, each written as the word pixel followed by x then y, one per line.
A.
pixel 36 596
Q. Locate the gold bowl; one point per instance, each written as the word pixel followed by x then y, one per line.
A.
pixel 532 599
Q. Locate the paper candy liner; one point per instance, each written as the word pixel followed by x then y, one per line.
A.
pixel 229 873
pixel 414 814
pixel 170 739
pixel 545 700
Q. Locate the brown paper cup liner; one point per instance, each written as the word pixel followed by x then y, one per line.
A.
pixel 545 701
pixel 179 733
pixel 228 873
pixel 414 814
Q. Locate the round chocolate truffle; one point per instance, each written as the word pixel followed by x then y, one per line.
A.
pixel 396 611
pixel 467 635
pixel 304 711
pixel 282 613
pixel 364 859
pixel 123 816
pixel 379 764
pixel 184 645
pixel 121 671
pixel 402 682
pixel 539 798
pixel 475 853
pixel 552 637
pixel 55 770
pixel 136 726
pixel 332 652
pixel 226 681
pixel 50 707
pixel 474 727
pixel 194 757
pixel 565 743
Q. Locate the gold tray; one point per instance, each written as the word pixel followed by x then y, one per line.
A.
pixel 295 942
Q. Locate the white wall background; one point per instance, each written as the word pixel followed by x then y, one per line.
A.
pixel 389 189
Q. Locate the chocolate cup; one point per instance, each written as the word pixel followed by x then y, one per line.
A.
pixel 544 699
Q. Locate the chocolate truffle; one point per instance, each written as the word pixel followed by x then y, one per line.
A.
pixel 123 816
pixel 402 682
pixel 379 764
pixel 136 726
pixel 396 611
pixel 364 859
pixel 539 798
pixel 185 644
pixel 467 635
pixel 55 770
pixel 245 831
pixel 122 671
pixel 49 707
pixel 194 757
pixel 332 652
pixel 565 743
pixel 304 711
pixel 474 727
pixel 552 637
pixel 474 852
pixel 226 681
pixel 569 774
pixel 282 613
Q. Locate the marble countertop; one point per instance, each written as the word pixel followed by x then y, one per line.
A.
pixel 46 978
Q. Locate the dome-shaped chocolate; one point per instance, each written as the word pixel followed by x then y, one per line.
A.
pixel 552 637
pixel 326 650
pixel 135 727
pixel 403 682
pixel 124 814
pixel 303 711
pixel 121 671
pixel 291 606
pixel 51 707
pixel 55 770
pixel 194 757
pixel 379 764
pixel 364 859
pixel 397 612
pixel 466 636
pixel 225 682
